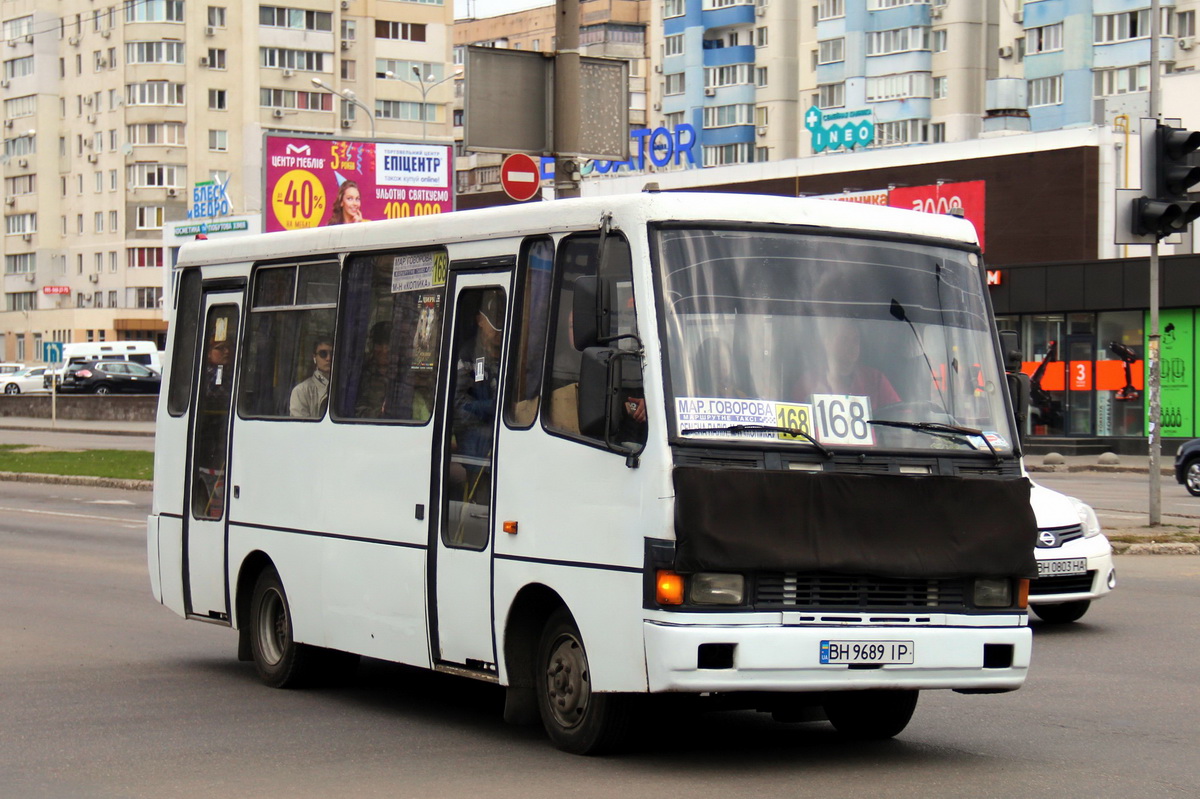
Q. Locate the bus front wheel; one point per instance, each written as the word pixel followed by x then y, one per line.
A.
pixel 577 719
pixel 278 659
pixel 870 715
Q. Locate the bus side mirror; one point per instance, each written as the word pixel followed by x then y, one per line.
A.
pixel 603 390
pixel 1018 381
pixel 591 310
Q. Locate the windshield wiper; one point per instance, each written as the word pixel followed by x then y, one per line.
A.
pixel 766 428
pixel 939 429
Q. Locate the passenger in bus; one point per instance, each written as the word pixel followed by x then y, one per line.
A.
pixel 208 495
pixel 310 396
pixel 844 373
pixel 347 207
pixel 715 359
pixel 478 378
pixel 376 378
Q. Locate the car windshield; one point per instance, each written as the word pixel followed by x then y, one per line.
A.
pixel 829 341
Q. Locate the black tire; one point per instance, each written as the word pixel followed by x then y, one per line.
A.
pixel 576 719
pixel 871 715
pixel 103 388
pixel 1191 477
pixel 1064 613
pixel 12 388
pixel 278 659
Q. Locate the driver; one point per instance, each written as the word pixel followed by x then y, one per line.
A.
pixel 844 373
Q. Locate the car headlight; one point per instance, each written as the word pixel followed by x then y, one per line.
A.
pixel 711 588
pixel 993 593
pixel 1087 518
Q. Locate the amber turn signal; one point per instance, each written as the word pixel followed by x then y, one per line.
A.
pixel 668 588
pixel 1022 593
pixel 510 528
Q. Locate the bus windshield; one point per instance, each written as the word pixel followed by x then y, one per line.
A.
pixel 828 341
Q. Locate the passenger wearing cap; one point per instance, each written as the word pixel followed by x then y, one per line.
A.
pixel 310 397
pixel 478 378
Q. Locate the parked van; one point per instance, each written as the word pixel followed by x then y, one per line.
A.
pixel 143 352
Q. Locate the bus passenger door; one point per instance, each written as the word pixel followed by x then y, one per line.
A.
pixel 206 585
pixel 465 526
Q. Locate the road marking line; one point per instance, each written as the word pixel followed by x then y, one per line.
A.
pixel 67 515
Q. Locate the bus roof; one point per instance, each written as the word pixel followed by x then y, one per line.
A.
pixel 578 214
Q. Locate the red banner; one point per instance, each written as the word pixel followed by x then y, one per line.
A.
pixel 941 198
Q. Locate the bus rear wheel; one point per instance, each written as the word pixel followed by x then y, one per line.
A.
pixel 870 715
pixel 577 719
pixel 278 659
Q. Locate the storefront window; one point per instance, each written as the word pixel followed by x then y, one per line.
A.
pixel 1041 339
pixel 1120 372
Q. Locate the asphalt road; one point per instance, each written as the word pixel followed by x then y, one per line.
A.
pixel 107 694
pixel 1123 498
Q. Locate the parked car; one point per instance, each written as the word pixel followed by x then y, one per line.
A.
pixel 28 380
pixel 1074 558
pixel 110 377
pixel 1187 466
pixel 8 367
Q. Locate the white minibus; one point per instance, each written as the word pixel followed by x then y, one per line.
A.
pixel 756 450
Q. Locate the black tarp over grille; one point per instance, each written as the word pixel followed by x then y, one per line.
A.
pixel 887 525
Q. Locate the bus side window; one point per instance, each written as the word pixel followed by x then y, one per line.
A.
pixel 579 257
pixel 529 343
pixel 290 330
pixel 183 360
pixel 390 337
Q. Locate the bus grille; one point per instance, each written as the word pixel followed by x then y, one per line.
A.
pixel 1068 584
pixel 846 592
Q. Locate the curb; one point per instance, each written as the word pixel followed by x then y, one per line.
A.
pixel 78 480
pixel 1166 471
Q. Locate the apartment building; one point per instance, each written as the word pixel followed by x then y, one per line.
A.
pixel 131 127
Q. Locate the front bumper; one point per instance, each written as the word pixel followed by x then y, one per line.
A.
pixel 787 658
pixel 1099 580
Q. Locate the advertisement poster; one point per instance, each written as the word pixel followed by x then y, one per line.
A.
pixel 1178 361
pixel 939 198
pixel 311 182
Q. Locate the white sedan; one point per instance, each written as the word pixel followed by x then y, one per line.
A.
pixel 27 380
pixel 1074 559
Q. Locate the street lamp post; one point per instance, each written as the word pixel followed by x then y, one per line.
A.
pixel 348 96
pixel 424 85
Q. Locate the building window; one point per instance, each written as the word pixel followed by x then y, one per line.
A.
pixel 217 100
pixel 1108 28
pixel 400 31
pixel 905 131
pixel 831 95
pixel 406 111
pixel 158 92
pixel 673 45
pixel 938 40
pixel 897 40
pixel 831 9
pixel 1045 91
pixel 20 301
pixel 349 70
pixel 673 8
pixel 300 101
pixel 1186 23
pixel 156 133
pixel 719 116
pixel 149 217
pixel 302 60
pixel 154 11
pixel 160 52
pixel 1109 82
pixel 760 37
pixel 675 83
pixel 218 141
pixel 20 264
pixel 940 90
pixel 150 297
pixel 144 256
pixel 216 16
pixel 295 18
pixel 156 176
pixel 724 154
pixel 895 87
pixel 831 51
pixel 1045 39
pixel 732 75
pixel 19 224
pixel 760 76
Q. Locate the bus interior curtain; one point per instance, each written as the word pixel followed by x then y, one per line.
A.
pixel 927 526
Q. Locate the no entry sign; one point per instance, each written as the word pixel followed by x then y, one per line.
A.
pixel 519 175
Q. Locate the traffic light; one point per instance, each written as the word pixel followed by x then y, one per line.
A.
pixel 1168 210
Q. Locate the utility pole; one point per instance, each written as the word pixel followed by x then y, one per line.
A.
pixel 1155 440
pixel 567 115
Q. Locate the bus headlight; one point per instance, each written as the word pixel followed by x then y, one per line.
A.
pixel 1087 518
pixel 710 588
pixel 993 593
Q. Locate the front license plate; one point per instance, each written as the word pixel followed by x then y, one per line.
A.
pixel 1062 568
pixel 874 652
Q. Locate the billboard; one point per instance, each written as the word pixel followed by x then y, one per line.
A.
pixel 940 198
pixel 313 181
